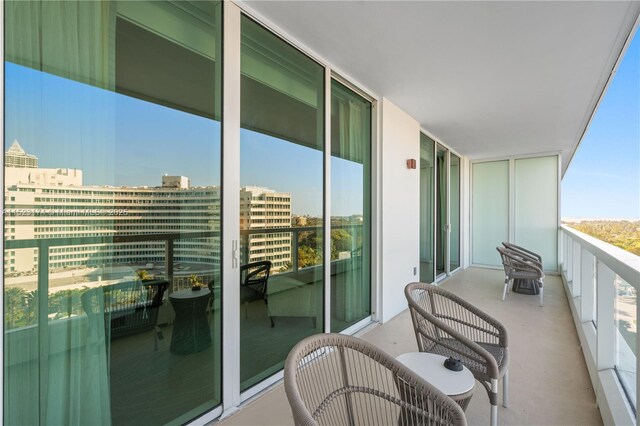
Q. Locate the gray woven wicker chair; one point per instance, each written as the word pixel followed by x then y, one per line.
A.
pixel 525 253
pixel 447 325
pixel 517 265
pixel 333 379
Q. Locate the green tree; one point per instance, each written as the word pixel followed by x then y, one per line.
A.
pixel 14 307
pixel 308 256
pixel 341 240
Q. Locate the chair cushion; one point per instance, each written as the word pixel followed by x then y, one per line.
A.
pixel 478 369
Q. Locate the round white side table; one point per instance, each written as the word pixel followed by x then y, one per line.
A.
pixel 458 385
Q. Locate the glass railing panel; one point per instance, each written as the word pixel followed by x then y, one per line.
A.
pixel 626 334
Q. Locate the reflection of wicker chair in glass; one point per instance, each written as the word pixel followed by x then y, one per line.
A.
pixel 447 325
pixel 253 283
pixel 520 266
pixel 128 308
pixel 336 379
pixel 212 300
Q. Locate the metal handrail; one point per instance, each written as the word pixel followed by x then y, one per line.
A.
pixel 295 231
pixel 623 263
pixel 43 245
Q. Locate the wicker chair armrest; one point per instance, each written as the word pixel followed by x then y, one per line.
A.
pixel 519 263
pixel 528 253
pixel 483 354
pixel 499 329
pixel 496 329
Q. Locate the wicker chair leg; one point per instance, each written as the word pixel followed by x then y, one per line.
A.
pixel 506 288
pixel 493 397
pixel 505 389
pixel 494 415
pixel 541 296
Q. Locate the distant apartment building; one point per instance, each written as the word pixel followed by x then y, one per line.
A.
pixel 46 203
pixel 263 208
pixel 54 203
pixel 17 157
pixel 180 182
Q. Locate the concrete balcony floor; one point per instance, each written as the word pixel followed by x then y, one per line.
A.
pixel 549 382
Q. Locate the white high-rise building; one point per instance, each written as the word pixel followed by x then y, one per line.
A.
pixel 54 203
pixel 263 208
pixel 17 157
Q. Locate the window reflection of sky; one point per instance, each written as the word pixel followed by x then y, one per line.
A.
pixel 288 167
pixel 115 139
pixel 123 141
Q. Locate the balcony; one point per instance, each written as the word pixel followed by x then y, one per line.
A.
pixel 422 133
pixel 549 380
pixel 548 365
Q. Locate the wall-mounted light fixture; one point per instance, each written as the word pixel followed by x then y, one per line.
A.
pixel 411 163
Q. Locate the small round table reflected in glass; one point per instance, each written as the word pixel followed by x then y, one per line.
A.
pixel 191 331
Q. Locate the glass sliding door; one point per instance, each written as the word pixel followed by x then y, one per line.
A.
pixel 350 207
pixel 427 199
pixel 536 207
pixel 441 211
pixel 281 201
pixel 454 212
pixel 489 211
pixel 112 193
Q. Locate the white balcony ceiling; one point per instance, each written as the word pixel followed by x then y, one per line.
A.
pixel 489 79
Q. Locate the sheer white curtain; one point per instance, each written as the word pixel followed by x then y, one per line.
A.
pixel 58 369
pixel 353 137
pixel 71 39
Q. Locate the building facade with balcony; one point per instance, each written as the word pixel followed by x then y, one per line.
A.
pixel 55 204
pixel 415 137
pixel 263 208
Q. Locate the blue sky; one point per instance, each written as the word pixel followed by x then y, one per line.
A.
pixel 118 140
pixel 122 141
pixel 603 179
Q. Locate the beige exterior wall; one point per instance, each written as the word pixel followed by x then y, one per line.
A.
pixel 38 211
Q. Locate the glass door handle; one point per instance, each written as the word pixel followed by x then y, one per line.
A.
pixel 234 254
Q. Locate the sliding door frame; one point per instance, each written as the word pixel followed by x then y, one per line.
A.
pixel 232 397
pixel 511 197
pixel 447 236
